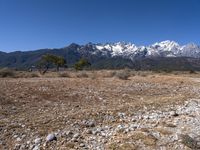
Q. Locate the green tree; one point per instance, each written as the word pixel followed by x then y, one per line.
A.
pixel 82 63
pixel 49 60
pixel 58 61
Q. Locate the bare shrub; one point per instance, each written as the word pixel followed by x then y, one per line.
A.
pixel 7 73
pixel 123 75
pixel 109 74
pixel 192 72
pixel 93 76
pixel 82 75
pixel 25 74
pixel 189 141
pixel 168 71
pixel 142 74
pixel 64 74
pixel 34 75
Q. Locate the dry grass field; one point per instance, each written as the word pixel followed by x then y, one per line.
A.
pixel 116 110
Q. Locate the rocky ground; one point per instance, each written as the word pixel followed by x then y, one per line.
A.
pixel 155 111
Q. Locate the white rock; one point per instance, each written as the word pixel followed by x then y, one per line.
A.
pixel 36 147
pixel 37 141
pixel 76 135
pixel 51 137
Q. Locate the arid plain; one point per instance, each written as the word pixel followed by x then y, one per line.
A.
pixel 114 110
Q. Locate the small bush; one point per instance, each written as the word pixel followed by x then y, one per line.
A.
pixel 192 72
pixel 93 76
pixel 142 74
pixel 64 74
pixel 168 70
pixel 189 141
pixel 109 74
pixel 157 71
pixel 34 75
pixel 81 64
pixel 123 75
pixel 25 74
pixel 7 73
pixel 82 75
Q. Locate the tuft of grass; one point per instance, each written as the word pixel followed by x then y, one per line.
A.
pixel 82 75
pixel 192 72
pixel 124 75
pixel 124 146
pixel 109 74
pixel 64 74
pixel 34 75
pixel 189 141
pixel 93 76
pixel 70 145
pixel 143 74
pixel 164 131
pixel 4 73
pixel 148 140
pixel 25 74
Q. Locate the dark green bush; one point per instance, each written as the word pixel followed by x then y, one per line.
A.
pixel 81 64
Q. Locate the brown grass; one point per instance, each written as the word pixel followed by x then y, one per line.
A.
pixel 146 139
pixel 4 73
pixel 190 142
pixel 123 75
pixel 164 131
pixel 64 74
pixel 125 146
pixel 82 74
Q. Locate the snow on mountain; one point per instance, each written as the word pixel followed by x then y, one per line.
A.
pixel 159 49
pixel 166 45
pixel 117 49
pixel 164 49
pixel 190 50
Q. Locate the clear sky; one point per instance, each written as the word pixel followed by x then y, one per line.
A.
pixel 34 24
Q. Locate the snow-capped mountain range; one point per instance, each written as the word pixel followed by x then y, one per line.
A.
pixel 160 55
pixel 131 51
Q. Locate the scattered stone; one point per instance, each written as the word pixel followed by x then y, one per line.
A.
pixel 17 146
pixel 36 147
pixel 121 115
pixel 148 128
pixel 15 136
pixel 173 113
pixel 51 137
pixel 189 142
pixel 76 135
pixel 89 123
pixel 18 139
pixel 89 131
pixel 82 145
pixel 37 141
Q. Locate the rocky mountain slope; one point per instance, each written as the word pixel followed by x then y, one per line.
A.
pixel 115 55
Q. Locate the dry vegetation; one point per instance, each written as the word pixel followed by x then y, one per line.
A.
pixel 107 109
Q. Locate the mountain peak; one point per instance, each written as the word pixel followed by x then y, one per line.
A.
pixel 191 45
pixel 73 45
pixel 166 43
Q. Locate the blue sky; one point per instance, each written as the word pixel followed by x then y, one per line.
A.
pixel 34 24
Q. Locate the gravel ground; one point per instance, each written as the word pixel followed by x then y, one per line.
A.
pixel 144 112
